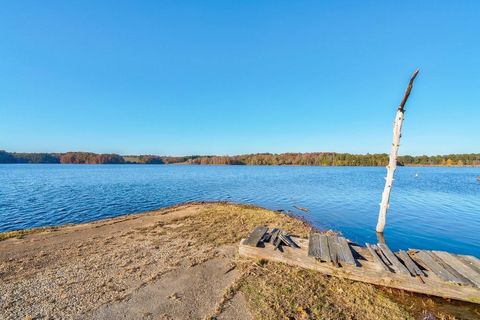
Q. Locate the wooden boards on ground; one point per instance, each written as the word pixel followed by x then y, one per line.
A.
pixel 410 264
pixel 255 236
pixel 287 240
pixel 330 249
pixel 433 264
pixel 314 249
pixel 377 258
pixel 446 266
pixel 276 237
pixel 450 267
pixel 392 259
pixel 459 266
pixel 367 271
pixel 346 251
pixel 325 249
pixel 387 260
pixel 318 247
pixel 470 261
pixel 441 273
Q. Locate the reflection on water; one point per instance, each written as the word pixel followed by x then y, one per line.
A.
pixel 436 208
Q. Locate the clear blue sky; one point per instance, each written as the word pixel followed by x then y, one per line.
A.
pixel 232 77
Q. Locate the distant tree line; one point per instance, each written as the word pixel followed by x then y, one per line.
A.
pixel 69 157
pixel 309 159
pixel 338 159
pixel 14 157
pixel 152 159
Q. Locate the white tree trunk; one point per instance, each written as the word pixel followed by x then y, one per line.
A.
pixel 392 164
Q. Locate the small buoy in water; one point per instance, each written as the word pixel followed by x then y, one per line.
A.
pixel 416 174
pixel 478 178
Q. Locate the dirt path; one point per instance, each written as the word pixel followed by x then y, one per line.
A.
pixel 137 266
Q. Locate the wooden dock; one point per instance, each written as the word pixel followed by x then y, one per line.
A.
pixel 436 273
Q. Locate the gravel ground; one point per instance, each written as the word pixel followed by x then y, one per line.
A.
pixel 102 269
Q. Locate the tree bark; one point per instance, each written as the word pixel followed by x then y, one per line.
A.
pixel 392 164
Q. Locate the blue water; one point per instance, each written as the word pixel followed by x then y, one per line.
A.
pixel 438 209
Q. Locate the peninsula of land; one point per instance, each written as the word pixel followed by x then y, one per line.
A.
pixel 182 262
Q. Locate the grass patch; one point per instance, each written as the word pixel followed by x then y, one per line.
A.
pixel 279 291
pixel 21 233
pixel 223 223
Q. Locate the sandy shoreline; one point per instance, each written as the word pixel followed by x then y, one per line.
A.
pixel 176 263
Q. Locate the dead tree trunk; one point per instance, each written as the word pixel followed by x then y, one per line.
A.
pixel 392 164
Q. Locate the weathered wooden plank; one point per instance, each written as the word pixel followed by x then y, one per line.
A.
pixel 435 267
pixel 274 234
pixel 383 257
pixel 368 272
pixel 266 237
pixel 397 265
pixel 459 278
pixel 410 264
pixel 325 251
pixel 475 260
pixel 346 251
pixel 255 236
pixel 459 266
pixel 314 249
pixel 277 243
pixel 379 262
pixel 332 246
pixel 287 240
pixel 469 262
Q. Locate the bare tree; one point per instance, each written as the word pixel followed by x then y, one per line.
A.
pixel 392 164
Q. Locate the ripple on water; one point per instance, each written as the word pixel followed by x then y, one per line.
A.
pixel 439 208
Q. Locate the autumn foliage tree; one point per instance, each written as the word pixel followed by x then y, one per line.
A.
pixel 304 159
pixel 90 158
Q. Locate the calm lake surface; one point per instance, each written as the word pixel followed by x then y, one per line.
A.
pixel 434 208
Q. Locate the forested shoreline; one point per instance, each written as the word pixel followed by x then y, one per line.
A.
pixel 309 159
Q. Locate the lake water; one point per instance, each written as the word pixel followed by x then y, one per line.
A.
pixel 433 208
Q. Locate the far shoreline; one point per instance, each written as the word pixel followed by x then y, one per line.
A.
pixel 289 158
pixel 244 165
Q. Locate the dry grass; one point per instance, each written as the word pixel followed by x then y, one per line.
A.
pixel 278 291
pixel 21 233
pixel 423 305
pixel 223 223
